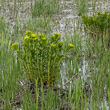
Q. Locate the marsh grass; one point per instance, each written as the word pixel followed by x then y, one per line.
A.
pixel 10 71
pixel 45 8
pixel 98 58
pixel 2 24
pixel 39 25
pixel 82 7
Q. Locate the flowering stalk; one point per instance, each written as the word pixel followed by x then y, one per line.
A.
pixel 49 67
pixel 69 47
pixel 38 73
pixel 41 64
pixel 59 48
pixel 40 57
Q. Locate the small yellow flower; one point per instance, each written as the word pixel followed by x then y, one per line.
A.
pixel 44 38
pixel 34 35
pixel 57 34
pixel 29 32
pixel 26 38
pixel 70 45
pixel 14 46
pixel 53 45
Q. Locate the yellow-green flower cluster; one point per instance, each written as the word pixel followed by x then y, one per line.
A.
pixel 70 45
pixel 29 33
pixel 53 45
pixel 57 34
pixel 33 35
pixel 44 38
pixel 26 38
pixel 14 46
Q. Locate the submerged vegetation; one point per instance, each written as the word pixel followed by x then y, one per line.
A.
pixel 65 70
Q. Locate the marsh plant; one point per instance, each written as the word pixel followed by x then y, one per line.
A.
pixel 82 6
pixel 41 56
pixel 98 24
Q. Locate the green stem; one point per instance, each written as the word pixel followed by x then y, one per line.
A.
pixel 49 67
pixel 61 60
pixel 38 64
pixel 30 63
pixel 54 62
pixel 41 63
pixel 37 94
pixel 27 53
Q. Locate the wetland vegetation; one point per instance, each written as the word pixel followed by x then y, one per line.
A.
pixel 54 55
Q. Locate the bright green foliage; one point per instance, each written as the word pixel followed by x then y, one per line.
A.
pixel 41 56
pixel 99 24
